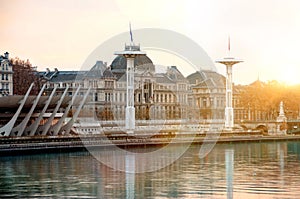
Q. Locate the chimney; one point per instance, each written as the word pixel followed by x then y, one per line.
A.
pixel 6 55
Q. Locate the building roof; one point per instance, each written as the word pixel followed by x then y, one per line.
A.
pixel 208 77
pixel 64 76
pixel 107 74
pixel 174 74
pixel 257 83
pixel 164 79
pixel 97 70
pixel 141 62
pixel 3 58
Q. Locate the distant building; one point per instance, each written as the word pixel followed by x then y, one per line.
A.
pixel 208 96
pixel 208 88
pixel 6 76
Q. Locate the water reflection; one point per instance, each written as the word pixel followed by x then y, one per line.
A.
pixel 229 160
pixel 130 175
pixel 249 170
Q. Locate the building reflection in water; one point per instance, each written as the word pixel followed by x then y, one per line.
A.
pixel 281 154
pixel 229 164
pixel 146 159
pixel 246 170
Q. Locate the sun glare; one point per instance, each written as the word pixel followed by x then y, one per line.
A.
pixel 290 75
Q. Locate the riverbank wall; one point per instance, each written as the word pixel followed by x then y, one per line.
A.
pixel 57 144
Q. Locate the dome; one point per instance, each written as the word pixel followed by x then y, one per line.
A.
pixel 141 63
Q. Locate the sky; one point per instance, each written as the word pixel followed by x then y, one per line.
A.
pixel 62 34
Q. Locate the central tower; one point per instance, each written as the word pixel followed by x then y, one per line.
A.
pixel 131 51
pixel 229 62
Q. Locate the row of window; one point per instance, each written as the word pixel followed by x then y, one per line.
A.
pixel 121 97
pixel 4 77
pixel 219 102
pixel 171 87
pixel 209 102
pixel 209 91
pixel 110 84
pixel 156 86
pixel 5 86
pixel 93 84
pixel 64 85
pixel 4 66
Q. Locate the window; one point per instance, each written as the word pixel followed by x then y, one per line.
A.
pixel 3 76
pixel 108 97
pixel 109 84
pixel 96 97
pixel 95 84
pixel 204 103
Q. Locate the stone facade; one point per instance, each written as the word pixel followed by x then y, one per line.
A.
pixel 6 76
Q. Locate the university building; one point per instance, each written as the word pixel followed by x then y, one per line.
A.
pixel 157 95
pixel 167 95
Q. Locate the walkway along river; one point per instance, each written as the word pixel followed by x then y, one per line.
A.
pixel 41 144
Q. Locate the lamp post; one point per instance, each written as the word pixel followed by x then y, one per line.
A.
pixel 229 62
pixel 131 51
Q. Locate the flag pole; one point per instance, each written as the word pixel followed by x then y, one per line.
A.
pixel 131 37
pixel 229 46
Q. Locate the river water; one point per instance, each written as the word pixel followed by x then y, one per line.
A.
pixel 243 170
